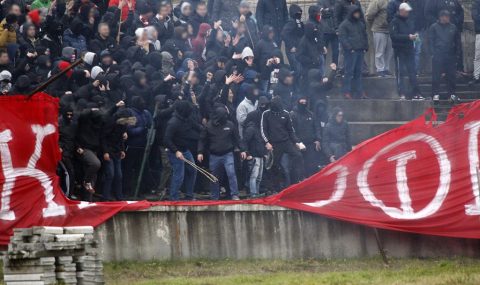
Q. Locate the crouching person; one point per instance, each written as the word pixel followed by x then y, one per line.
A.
pixel 180 139
pixel 220 138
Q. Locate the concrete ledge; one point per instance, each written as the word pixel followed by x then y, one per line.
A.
pixel 254 231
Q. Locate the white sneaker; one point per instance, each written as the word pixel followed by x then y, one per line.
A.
pixel 418 98
pixel 436 97
pixel 454 98
pixel 403 98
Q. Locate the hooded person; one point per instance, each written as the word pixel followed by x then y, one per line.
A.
pixel 303 121
pixel 291 34
pixel 272 13
pixel 67 129
pixel 5 82
pixel 311 49
pixel 113 150
pixel 255 146
pixel 279 136
pixel 220 139
pixel 336 136
pixel 41 70
pixel 181 137
pixel 73 36
pixel 136 142
pixel 247 105
pixel 353 37
pixel 285 89
pixel 199 43
pixel 22 86
pixel 168 63
pixel 266 47
pixel 28 40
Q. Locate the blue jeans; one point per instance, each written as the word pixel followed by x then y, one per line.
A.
pixel 418 51
pixel 352 82
pixel 112 181
pixel 256 167
pixel 294 63
pixel 216 164
pixel 181 174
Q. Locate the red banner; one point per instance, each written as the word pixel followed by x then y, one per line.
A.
pixel 417 178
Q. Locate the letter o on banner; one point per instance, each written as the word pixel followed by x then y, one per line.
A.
pixel 443 187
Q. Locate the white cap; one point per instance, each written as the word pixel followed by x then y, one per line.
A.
pixel 247 52
pixel 96 70
pixel 405 7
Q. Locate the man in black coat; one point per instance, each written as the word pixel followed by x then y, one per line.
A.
pixel 417 16
pixel 403 35
pixel 272 13
pixel 181 135
pixel 354 40
pixel 103 40
pixel 255 146
pixel 445 47
pixel 457 15
pixel 311 50
pixel 163 23
pixel 303 121
pixel 200 16
pixel 220 139
pixel 330 27
pixel 291 34
pixel 280 138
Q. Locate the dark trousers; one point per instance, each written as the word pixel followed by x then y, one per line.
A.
pixel 405 66
pixel 294 157
pixel 310 159
pixel 352 81
pixel 444 64
pixel 332 40
pixel 112 178
pixel 91 164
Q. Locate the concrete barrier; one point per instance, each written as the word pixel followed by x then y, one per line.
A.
pixel 254 231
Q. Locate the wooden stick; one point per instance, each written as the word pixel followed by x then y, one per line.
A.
pixel 380 247
pixel 53 78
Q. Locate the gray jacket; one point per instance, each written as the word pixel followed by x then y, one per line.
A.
pixel 376 16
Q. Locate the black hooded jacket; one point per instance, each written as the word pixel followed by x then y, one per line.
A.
pixel 273 13
pixel 182 132
pixel 336 133
pixel 311 48
pixel 352 32
pixel 252 137
pixel 276 124
pixel 303 121
pixel 293 30
pixel 330 23
pixel 220 136
pixel 444 40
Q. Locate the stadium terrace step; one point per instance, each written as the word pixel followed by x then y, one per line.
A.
pixel 361 131
pixel 386 88
pixel 380 110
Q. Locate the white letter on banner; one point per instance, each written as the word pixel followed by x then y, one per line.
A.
pixel 340 186
pixel 406 212
pixel 473 127
pixel 10 173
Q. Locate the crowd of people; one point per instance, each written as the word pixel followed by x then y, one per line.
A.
pixel 165 87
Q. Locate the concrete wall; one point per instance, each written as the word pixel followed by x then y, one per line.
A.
pixel 254 231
